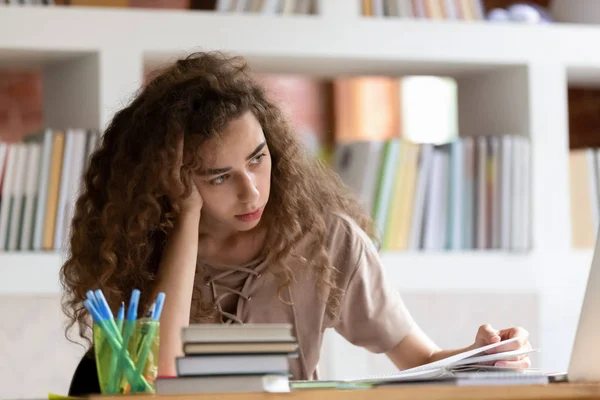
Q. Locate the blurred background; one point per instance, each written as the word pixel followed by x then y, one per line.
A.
pixel 468 128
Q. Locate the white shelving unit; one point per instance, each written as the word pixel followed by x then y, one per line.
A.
pixel 37 273
pixel 29 273
pixel 512 79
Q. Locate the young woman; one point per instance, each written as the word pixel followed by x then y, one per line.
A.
pixel 200 189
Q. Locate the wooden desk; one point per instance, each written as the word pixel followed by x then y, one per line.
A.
pixel 433 392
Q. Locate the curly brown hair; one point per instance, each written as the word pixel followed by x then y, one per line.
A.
pixel 128 205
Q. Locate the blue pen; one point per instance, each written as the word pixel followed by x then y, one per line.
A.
pixel 149 337
pixel 93 301
pixel 92 298
pixel 160 301
pixel 114 378
pixel 129 322
pixel 105 309
pixel 102 306
pixel 121 316
pixel 133 305
pixel 93 311
pixel 99 316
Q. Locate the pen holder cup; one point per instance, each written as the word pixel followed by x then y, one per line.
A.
pixel 136 370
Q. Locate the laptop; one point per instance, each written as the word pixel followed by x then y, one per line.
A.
pixel 583 364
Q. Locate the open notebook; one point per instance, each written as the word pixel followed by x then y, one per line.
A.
pixel 465 362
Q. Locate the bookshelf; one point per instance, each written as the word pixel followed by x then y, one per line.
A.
pixel 521 71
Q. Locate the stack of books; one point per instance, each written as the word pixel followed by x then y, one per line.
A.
pixel 222 358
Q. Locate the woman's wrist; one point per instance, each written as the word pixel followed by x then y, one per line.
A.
pixel 190 214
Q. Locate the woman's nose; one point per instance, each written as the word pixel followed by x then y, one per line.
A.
pixel 248 192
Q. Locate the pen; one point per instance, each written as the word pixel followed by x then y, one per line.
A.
pixel 149 337
pixel 92 298
pixel 115 376
pixel 129 325
pixel 106 313
pixel 120 317
pixel 143 331
pixel 93 301
pixel 105 309
pixel 160 302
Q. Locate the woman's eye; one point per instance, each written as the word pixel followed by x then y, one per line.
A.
pixel 218 180
pixel 257 159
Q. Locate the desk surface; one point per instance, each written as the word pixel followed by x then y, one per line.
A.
pixel 430 392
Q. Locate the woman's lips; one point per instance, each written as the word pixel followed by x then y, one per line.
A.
pixel 254 215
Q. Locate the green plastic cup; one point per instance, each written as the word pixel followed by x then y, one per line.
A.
pixel 142 360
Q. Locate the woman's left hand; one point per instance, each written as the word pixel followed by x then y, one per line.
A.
pixel 488 335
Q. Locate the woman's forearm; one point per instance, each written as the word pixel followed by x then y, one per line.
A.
pixel 445 353
pixel 175 277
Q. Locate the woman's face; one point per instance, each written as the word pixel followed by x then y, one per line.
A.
pixel 236 177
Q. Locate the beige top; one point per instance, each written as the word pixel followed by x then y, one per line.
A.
pixel 372 314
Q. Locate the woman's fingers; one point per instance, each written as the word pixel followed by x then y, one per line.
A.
pixel 525 362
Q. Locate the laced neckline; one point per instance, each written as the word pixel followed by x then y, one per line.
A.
pixel 220 290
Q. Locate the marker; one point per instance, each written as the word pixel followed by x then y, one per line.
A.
pixel 129 327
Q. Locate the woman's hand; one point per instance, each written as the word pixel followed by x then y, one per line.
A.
pixel 488 335
pixel 191 204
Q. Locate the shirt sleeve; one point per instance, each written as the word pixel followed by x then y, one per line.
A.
pixel 372 312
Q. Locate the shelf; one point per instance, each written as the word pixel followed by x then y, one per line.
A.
pixel 308 44
pixel 35 273
pixel 462 271
pixel 34 59
pixel 29 273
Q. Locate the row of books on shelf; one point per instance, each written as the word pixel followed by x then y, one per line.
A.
pixel 222 358
pixel 39 181
pixel 425 9
pixel 584 174
pixel 470 193
pixel 267 7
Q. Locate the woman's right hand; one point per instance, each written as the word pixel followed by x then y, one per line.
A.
pixel 193 203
